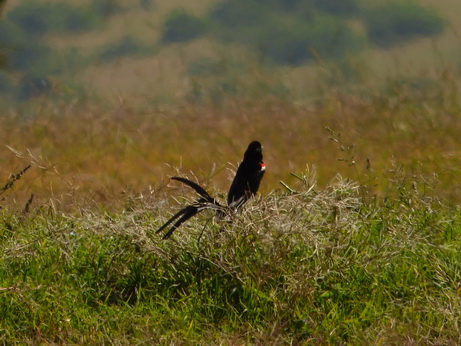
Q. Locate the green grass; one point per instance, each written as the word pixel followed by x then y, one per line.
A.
pixel 308 266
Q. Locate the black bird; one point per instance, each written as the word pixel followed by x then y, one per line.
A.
pixel 244 185
pixel 248 176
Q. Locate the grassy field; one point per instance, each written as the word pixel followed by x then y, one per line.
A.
pixel 369 257
pixel 308 266
pixel 355 236
pixel 97 150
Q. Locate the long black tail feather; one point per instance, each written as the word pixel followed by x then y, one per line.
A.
pixel 204 202
pixel 200 190
pixel 174 217
pixel 188 212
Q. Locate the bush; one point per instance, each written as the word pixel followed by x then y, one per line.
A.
pixel 238 13
pixel 34 59
pixel 397 21
pixel 31 86
pixel 290 6
pixel 106 8
pixel 294 43
pixel 181 27
pixel 287 38
pixel 27 56
pixel 37 19
pixel 76 19
pixel 285 44
pixel 332 38
pixel 127 46
pixel 234 13
pixel 33 18
pixel 11 35
pixel 21 31
pixel 286 5
pixel 338 7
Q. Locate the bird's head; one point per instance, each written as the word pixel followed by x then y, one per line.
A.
pixel 254 151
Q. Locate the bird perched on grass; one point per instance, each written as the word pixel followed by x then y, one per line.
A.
pixel 245 184
pixel 248 176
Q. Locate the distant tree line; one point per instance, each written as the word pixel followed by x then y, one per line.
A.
pixel 286 32
pixel 295 31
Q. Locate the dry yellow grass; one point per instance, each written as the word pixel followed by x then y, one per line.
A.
pixel 95 152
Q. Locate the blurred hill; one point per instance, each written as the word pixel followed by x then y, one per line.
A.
pixel 162 50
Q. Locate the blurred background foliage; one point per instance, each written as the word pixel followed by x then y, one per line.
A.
pixel 54 45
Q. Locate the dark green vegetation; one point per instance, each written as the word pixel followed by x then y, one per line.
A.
pixel 29 62
pixel 398 21
pixel 310 265
pixel 287 33
pixel 45 45
pixel 294 32
pixel 181 27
